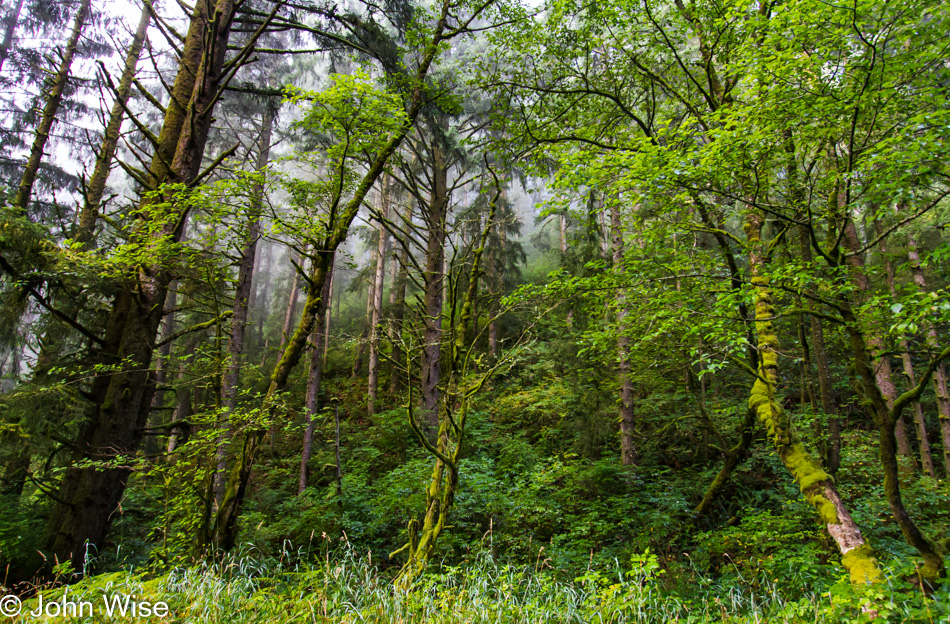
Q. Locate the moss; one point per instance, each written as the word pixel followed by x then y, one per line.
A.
pixel 862 565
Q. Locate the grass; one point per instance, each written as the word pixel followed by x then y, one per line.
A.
pixel 349 588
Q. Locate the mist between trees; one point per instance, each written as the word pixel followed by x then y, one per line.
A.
pixel 553 292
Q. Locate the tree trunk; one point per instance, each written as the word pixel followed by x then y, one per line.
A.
pixel 9 28
pixel 883 406
pixel 242 294
pixel 290 312
pixel 926 459
pixel 225 523
pixel 54 98
pixel 940 374
pixel 882 366
pixel 628 451
pixel 314 377
pixel 398 301
pixel 89 496
pixel 367 330
pixel 822 364
pixel 817 485
pixel 89 214
pixel 435 216
pixel 375 326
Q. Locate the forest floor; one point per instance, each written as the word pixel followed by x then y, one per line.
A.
pixel 349 588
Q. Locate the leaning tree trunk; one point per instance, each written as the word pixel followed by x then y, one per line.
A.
pixel 54 98
pixel 225 523
pixel 242 295
pixel 89 214
pixel 926 458
pixel 628 451
pixel 932 342
pixel 817 485
pixel 314 377
pixel 290 311
pixel 887 413
pixel 88 496
pixel 375 328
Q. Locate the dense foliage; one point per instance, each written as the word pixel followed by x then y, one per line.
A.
pixel 475 310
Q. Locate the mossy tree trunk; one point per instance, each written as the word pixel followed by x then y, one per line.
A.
pixel 225 527
pixel 88 496
pixel 817 485
pixel 453 413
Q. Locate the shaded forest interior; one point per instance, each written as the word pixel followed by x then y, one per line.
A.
pixel 639 307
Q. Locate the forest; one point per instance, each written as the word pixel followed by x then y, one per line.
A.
pixel 449 311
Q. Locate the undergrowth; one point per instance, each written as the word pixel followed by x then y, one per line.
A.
pixel 350 588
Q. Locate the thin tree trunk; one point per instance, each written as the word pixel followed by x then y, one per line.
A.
pixel 825 386
pixel 89 214
pixel 328 313
pixel 398 301
pixel 628 451
pixel 563 228
pixel 314 376
pixel 933 344
pixel 367 330
pixel 926 458
pixel 12 20
pixel 54 98
pixel 375 327
pixel 242 295
pixel 882 366
pixel 290 312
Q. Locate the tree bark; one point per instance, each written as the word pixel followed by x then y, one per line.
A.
pixel 882 366
pixel 290 312
pixel 242 294
pixel 314 377
pixel 89 214
pixel 398 301
pixel 926 458
pixel 933 343
pixel 435 216
pixel 628 451
pixel 823 366
pixel 375 326
pixel 817 485
pixel 54 98
pixel 89 496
